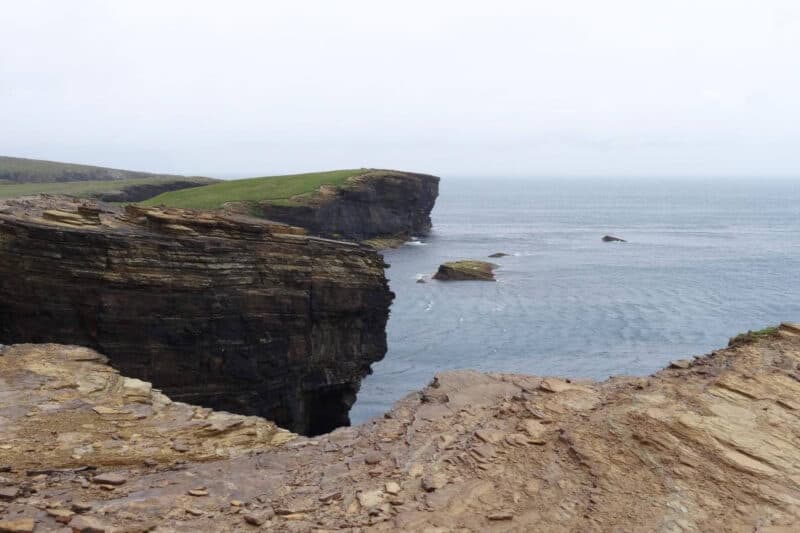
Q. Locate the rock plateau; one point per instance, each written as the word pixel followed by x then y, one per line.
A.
pixel 707 446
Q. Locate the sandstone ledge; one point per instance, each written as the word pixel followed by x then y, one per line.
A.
pixel 709 447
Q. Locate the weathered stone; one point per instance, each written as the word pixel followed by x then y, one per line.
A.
pixel 62 516
pixel 680 363
pixel 370 498
pixel 373 458
pixel 198 492
pixel 392 487
pixel 88 524
pixel 271 321
pixel 253 519
pixel 432 482
pixel 18 525
pixel 109 478
pixel 9 493
pixel 81 507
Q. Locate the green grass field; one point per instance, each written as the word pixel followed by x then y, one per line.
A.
pixel 273 189
pixel 21 170
pixel 84 189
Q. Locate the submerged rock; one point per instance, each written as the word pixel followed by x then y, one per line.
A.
pixel 498 254
pixel 231 312
pixel 611 238
pixel 466 270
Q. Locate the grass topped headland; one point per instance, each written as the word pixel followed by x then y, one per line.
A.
pixel 272 189
pixel 21 170
pixel 89 189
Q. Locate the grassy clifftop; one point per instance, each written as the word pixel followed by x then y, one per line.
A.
pixel 20 170
pixel 272 189
pixel 22 177
pixel 115 190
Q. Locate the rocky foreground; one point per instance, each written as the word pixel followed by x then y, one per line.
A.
pixel 227 311
pixel 711 444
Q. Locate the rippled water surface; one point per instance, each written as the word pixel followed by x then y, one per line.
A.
pixel 705 259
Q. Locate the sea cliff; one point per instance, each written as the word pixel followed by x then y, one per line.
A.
pixel 225 311
pixel 374 204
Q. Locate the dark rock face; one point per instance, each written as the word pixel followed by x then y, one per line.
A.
pixel 378 203
pixel 230 312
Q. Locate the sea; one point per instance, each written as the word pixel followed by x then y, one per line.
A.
pixel 705 259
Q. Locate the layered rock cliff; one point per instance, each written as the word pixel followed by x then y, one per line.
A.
pixel 229 312
pixel 704 445
pixel 376 203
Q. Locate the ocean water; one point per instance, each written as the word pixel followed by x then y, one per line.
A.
pixel 706 259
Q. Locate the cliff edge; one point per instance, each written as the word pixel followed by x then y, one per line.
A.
pixel 356 204
pixel 375 204
pixel 704 445
pixel 229 312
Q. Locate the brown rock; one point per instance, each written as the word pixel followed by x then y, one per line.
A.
pixel 253 519
pixel 109 478
pixel 432 482
pixel 373 458
pixel 500 515
pixel 680 363
pixel 198 492
pixel 9 493
pixel 81 507
pixel 88 524
pixel 18 525
pixel 61 515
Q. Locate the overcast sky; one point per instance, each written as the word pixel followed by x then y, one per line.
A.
pixel 540 88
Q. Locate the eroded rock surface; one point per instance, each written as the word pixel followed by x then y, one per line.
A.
pixel 377 203
pixel 231 312
pixel 709 446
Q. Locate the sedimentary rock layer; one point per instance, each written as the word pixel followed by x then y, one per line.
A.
pixel 378 203
pixel 229 312
pixel 709 444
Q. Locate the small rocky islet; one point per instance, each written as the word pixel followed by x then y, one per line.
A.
pixel 466 270
pixel 188 316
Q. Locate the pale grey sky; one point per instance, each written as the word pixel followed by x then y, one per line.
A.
pixel 558 87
